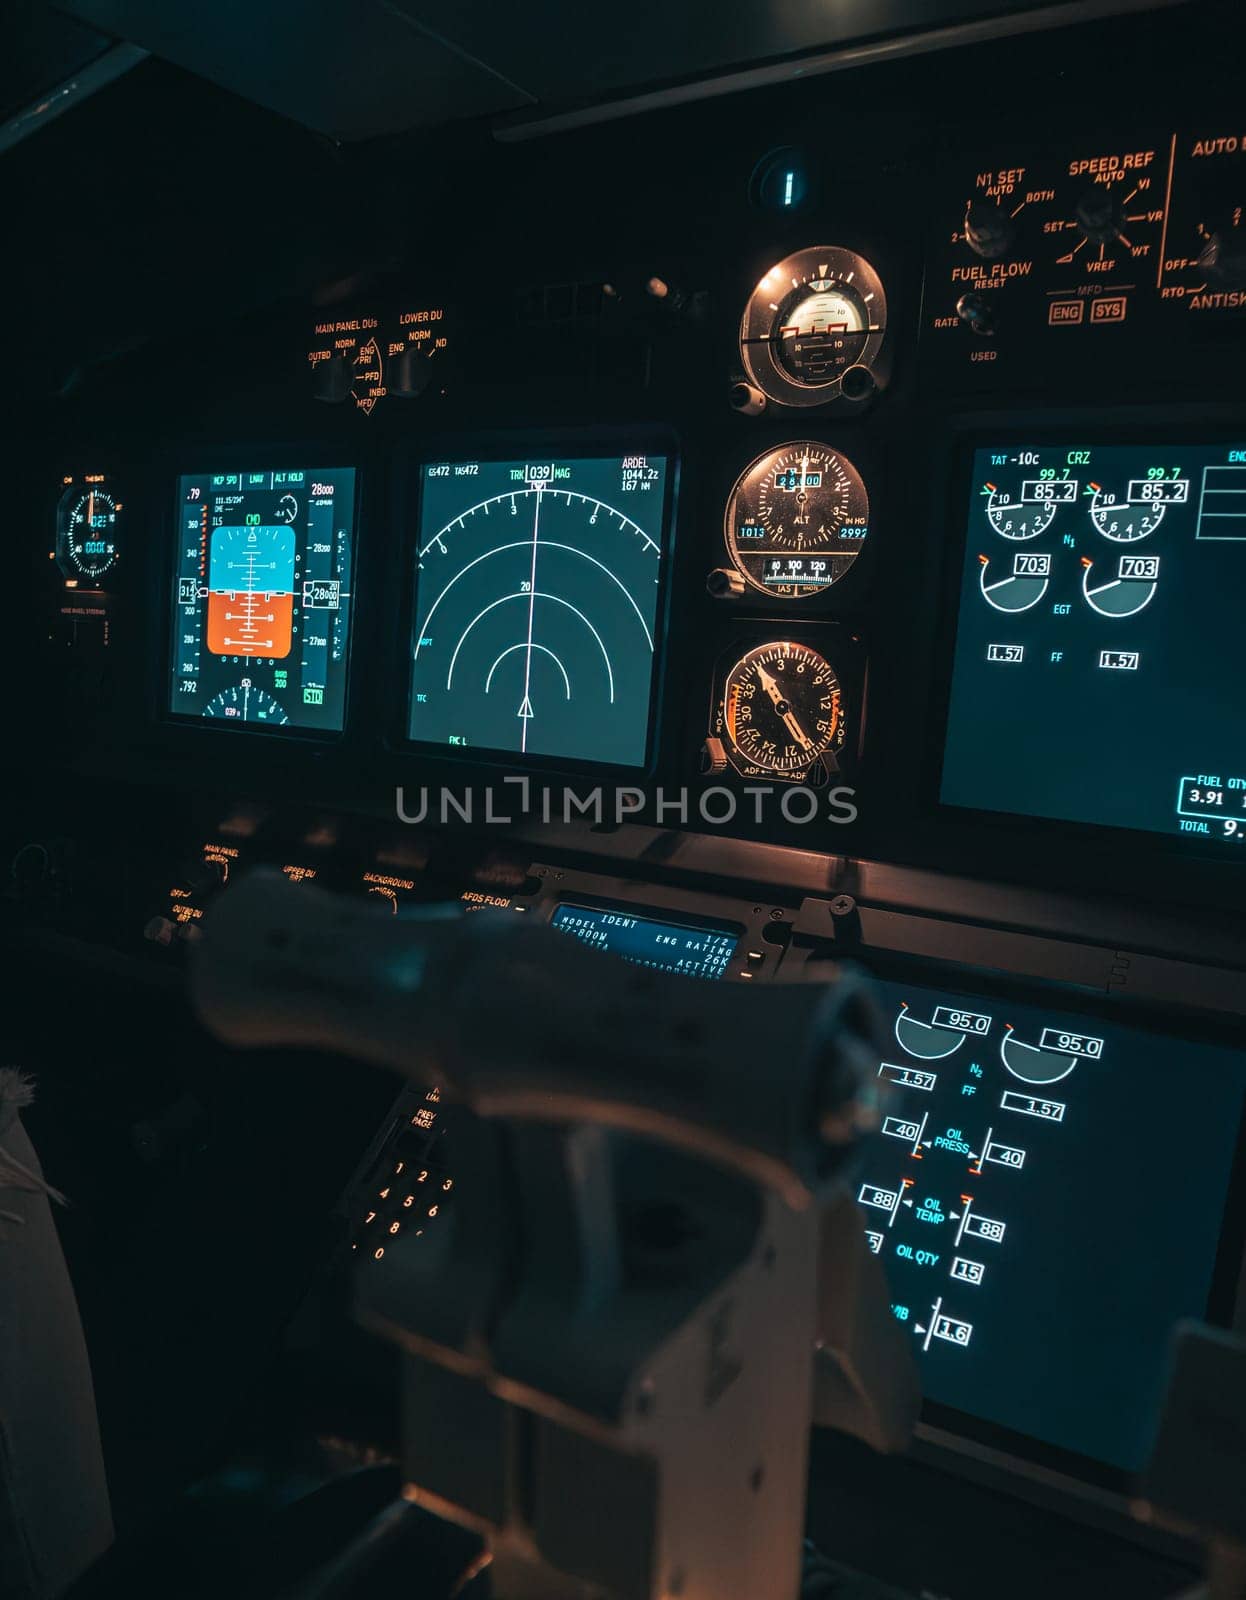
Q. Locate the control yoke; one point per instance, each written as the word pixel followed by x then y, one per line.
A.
pixel 651 1277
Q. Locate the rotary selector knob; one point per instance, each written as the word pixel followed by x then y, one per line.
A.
pixel 1223 257
pixel 713 756
pixel 331 380
pixel 974 310
pixel 725 583
pixel 1098 215
pixel 988 230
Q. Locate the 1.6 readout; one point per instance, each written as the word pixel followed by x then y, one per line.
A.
pixel 262 598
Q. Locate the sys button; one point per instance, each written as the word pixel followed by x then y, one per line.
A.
pixel 1109 308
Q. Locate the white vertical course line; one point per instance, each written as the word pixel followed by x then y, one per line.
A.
pixel 525 711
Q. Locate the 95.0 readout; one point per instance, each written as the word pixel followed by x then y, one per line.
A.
pixel 1212 805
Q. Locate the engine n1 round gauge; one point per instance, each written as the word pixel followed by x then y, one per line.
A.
pixel 796 520
pixel 811 317
pixel 782 710
pixel 1124 519
pixel 86 530
pixel 1018 519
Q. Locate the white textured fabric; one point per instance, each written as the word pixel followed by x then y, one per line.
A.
pixel 54 1513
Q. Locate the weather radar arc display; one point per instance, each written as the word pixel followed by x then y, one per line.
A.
pixel 536 620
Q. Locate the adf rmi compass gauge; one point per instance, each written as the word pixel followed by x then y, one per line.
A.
pixel 782 711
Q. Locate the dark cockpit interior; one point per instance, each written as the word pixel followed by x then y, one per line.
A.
pixel 625 840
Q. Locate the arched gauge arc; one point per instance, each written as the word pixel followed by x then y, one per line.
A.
pixel 1022 582
pixel 1120 588
pixel 1034 1063
pixel 814 315
pixel 796 520
pixel 247 702
pixel 929 1041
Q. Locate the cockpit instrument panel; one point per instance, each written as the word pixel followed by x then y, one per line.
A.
pixel 537 605
pixel 261 603
pixel 1097 659
pixel 1031 1159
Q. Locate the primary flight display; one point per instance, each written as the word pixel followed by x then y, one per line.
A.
pixel 536 606
pixel 262 597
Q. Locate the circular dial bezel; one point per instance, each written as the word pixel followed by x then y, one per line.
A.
pixel 1104 508
pixel 1000 506
pixel 756 497
pixel 820 270
pixel 71 563
pixel 780 663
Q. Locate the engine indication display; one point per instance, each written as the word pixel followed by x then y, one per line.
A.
pixel 1096 654
pixel 537 606
pixel 982 1195
pixel 262 598
pixel 796 520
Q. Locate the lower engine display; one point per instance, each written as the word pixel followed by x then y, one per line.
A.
pixel 536 614
pixel 672 947
pixel 262 595
pixel 1097 656
pixel 1047 1197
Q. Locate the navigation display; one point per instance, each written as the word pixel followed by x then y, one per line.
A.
pixel 536 611
pixel 673 947
pixel 1046 1194
pixel 1097 666
pixel 262 598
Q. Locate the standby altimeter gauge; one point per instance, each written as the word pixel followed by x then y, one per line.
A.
pixel 796 520
pixel 811 318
